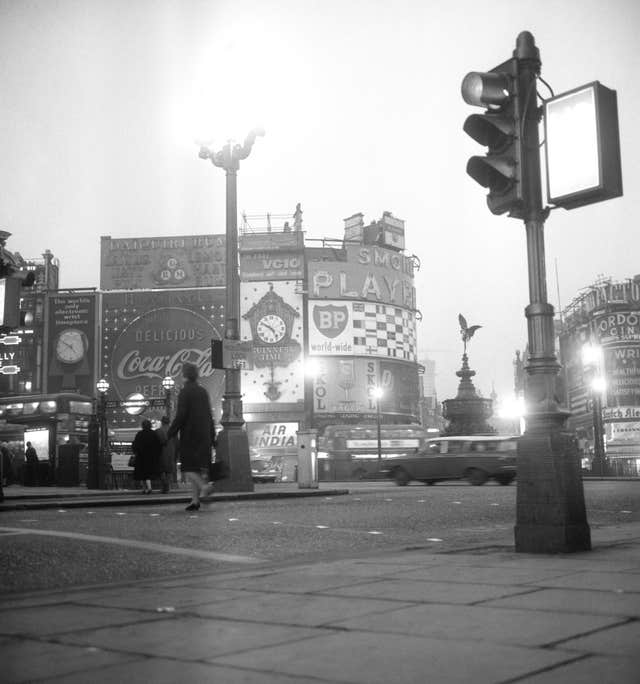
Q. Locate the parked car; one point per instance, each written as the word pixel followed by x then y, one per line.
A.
pixel 264 471
pixel 474 458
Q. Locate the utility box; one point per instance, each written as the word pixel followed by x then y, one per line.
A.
pixel 307 459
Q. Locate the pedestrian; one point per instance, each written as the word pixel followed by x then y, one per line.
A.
pixel 195 424
pixel 31 466
pixel 168 460
pixel 7 465
pixel 147 450
pixel 18 464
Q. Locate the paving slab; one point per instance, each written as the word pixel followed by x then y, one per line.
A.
pixel 165 671
pixel 483 575
pixel 437 592
pixel 479 623
pixel 574 601
pixel 368 658
pixel 188 638
pixel 289 581
pixel 308 610
pixel 602 581
pixel 26 660
pixel 65 617
pixel 151 599
pixel 622 640
pixel 590 670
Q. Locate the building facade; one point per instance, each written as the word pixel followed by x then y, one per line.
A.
pixel 606 315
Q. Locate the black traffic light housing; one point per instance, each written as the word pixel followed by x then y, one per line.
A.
pixel 500 130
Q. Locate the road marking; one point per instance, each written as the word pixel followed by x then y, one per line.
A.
pixel 137 544
pixel 322 527
pixel 61 510
pixel 374 532
pixel 434 539
pixel 120 513
pixel 494 504
pixel 625 511
pixel 233 519
pixel 456 502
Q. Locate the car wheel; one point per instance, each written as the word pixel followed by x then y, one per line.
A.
pixel 401 477
pixel 359 474
pixel 476 477
pixel 429 482
pixel 504 480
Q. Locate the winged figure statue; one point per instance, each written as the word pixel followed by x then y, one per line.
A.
pixel 466 331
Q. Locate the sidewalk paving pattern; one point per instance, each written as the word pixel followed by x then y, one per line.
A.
pixel 483 615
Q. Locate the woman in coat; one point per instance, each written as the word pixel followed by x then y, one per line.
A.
pixel 147 449
pixel 194 422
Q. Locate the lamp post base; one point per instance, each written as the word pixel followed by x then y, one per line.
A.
pixel 550 513
pixel 233 449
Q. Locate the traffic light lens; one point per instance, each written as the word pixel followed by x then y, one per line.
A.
pixel 490 90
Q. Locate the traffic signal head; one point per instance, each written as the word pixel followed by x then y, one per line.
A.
pixel 498 129
pixel 11 315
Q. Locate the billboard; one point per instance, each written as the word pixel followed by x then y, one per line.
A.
pixel 618 333
pixel 285 265
pixel 150 335
pixel 162 262
pixel 71 343
pixel 347 328
pixel 344 388
pixel 370 273
pixel 271 317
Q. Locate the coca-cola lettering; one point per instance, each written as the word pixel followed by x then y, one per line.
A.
pixel 134 365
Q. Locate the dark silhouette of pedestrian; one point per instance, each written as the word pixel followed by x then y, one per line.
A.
pixel 31 466
pixel 168 459
pixel 195 424
pixel 147 449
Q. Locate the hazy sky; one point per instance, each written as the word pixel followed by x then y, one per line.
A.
pixel 102 101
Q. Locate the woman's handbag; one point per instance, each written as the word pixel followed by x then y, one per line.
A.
pixel 132 461
pixel 218 470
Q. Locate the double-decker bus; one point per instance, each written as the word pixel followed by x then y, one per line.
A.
pixel 348 452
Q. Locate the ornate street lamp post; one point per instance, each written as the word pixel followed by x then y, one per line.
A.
pixel 168 383
pixel 103 387
pixel 233 443
pixel 593 363
pixel 377 393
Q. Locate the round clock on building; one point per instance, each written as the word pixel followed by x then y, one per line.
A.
pixel 271 328
pixel 70 346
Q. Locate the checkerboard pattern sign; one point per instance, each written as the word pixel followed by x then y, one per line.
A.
pixel 383 330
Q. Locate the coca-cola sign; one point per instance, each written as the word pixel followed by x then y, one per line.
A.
pixel 157 344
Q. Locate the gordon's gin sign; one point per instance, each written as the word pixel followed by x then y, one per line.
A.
pixel 157 344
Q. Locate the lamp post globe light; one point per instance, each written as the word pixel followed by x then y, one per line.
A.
pixel 103 437
pixel 233 442
pixel 378 393
pixel 168 384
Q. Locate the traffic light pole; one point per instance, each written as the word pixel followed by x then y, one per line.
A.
pixel 550 511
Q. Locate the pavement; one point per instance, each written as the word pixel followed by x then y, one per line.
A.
pixel 482 614
pixel 17 497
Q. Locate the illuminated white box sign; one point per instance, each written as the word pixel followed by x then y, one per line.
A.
pixel 582 146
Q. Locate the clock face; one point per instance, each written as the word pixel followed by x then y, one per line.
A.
pixel 271 328
pixel 70 346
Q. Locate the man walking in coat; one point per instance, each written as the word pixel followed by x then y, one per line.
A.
pixel 194 423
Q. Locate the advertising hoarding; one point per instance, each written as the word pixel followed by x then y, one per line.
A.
pixel 284 265
pixel 71 343
pixel 162 262
pixel 344 388
pixel 618 334
pixel 271 317
pixel 150 335
pixel 370 273
pixel 347 328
